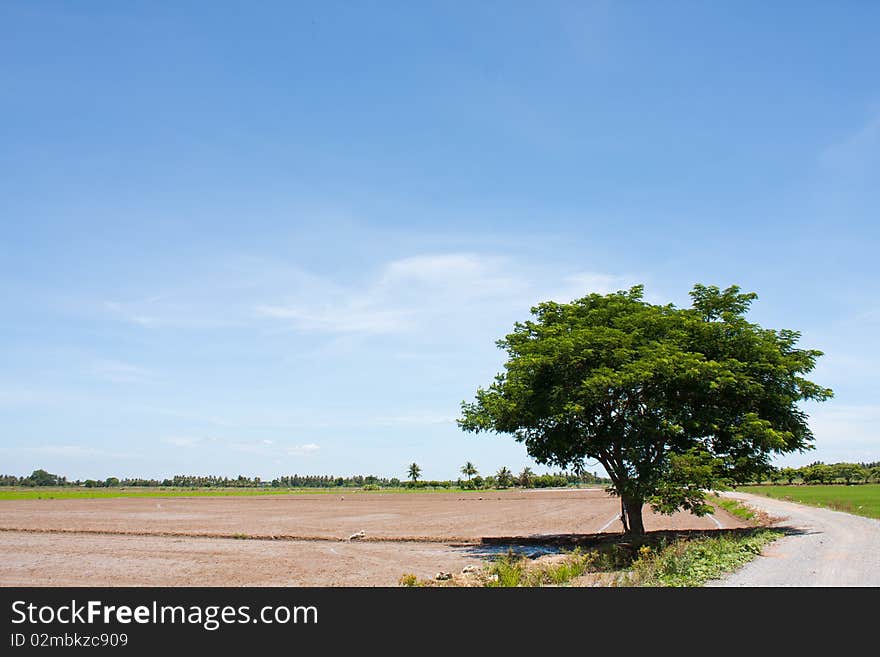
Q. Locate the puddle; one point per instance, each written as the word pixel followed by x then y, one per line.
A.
pixel 494 550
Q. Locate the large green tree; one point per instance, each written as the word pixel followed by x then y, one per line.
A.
pixel 671 401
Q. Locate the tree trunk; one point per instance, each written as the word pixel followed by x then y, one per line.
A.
pixel 632 511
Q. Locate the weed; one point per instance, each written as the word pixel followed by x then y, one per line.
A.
pixel 692 563
pixel 409 580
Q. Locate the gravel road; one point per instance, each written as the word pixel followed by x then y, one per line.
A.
pixel 822 548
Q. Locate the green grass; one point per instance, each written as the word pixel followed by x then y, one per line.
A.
pixel 735 508
pixel 513 570
pixel 862 500
pixel 51 493
pixel 657 560
pixel 693 563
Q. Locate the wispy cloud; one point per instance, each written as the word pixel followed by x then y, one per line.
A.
pixel 193 309
pixel 578 285
pixel 63 450
pixel 433 290
pixel 407 294
pixel 262 447
pixel 181 441
pixel 849 182
pixel 116 371
pixel 346 319
pixel 856 150
pixel 833 424
pixel 303 450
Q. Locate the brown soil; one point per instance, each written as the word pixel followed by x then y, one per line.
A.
pixel 192 541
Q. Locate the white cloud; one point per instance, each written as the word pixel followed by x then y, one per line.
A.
pixel 433 291
pixel 842 433
pixel 303 450
pixel 414 418
pixel 67 451
pixel 262 447
pixel 194 308
pixel 427 293
pixel 579 285
pixel 55 450
pixel 120 372
pixel 342 319
pixel 855 425
pixel 181 441
pixel 856 151
pixel 848 184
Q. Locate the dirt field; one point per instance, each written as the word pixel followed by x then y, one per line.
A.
pixel 300 540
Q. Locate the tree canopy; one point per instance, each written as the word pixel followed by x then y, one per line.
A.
pixel 671 401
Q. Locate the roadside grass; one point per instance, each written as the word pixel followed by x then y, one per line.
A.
pixel 513 570
pixel 736 508
pixel 51 493
pixel 694 563
pixel 862 500
pixel 656 561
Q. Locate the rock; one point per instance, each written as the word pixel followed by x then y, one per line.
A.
pixel 467 570
pixel 355 537
pixel 443 576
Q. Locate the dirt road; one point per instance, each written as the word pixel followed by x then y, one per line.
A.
pixel 822 548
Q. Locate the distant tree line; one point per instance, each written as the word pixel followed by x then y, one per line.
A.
pixel 827 473
pixel 504 478
pixel 814 473
pixel 36 478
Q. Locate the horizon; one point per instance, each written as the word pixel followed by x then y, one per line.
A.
pixel 286 240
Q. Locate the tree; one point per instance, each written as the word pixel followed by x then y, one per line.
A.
pixel 414 472
pixel 848 471
pixel 671 401
pixel 817 473
pixel 504 477
pixel 468 470
pixel 789 474
pixel 775 475
pixel 526 478
pixel 43 478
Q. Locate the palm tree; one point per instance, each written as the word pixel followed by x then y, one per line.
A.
pixel 414 472
pixel 504 477
pixel 525 478
pixel 468 470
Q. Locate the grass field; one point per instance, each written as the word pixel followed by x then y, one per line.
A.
pixel 862 500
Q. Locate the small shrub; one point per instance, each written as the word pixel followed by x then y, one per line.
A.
pixel 508 570
pixel 692 563
pixel 409 580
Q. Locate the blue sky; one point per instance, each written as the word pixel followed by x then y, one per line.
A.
pixel 283 238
